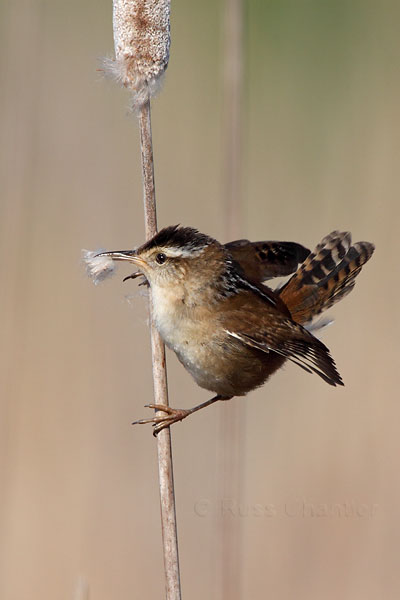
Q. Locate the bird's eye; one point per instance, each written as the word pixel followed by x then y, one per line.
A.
pixel 161 258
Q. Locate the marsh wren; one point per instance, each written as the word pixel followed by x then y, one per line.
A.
pixel 227 328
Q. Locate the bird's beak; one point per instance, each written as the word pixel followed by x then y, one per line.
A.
pixel 126 255
pixel 129 255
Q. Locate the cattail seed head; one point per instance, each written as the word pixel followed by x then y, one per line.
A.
pixel 141 40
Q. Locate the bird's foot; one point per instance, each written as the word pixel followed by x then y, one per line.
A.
pixel 160 422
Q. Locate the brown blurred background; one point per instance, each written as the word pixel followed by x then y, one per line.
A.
pixel 317 511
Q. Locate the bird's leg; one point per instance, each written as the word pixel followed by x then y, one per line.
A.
pixel 173 415
pixel 137 274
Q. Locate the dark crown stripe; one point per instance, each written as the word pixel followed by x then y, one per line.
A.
pixel 178 237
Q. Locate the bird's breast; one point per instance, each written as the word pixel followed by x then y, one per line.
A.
pixel 190 331
pixel 215 360
pixel 185 330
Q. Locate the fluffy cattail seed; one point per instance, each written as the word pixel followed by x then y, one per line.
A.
pixel 97 267
pixel 141 40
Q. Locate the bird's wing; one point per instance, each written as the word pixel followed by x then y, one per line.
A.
pixel 290 340
pixel 264 260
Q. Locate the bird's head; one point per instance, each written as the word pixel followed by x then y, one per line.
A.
pixel 174 256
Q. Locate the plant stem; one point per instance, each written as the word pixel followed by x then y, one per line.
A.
pixel 164 450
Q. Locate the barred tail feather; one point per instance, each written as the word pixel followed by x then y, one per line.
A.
pixel 326 276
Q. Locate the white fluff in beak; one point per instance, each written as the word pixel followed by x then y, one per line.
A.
pixel 97 267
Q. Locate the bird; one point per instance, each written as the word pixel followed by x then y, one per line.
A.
pixel 229 329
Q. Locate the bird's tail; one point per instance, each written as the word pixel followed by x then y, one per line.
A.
pixel 326 276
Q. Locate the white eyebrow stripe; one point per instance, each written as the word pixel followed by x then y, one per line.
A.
pixel 181 252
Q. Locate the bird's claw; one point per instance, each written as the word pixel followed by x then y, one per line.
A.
pixel 160 422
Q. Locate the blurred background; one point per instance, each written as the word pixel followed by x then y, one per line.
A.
pixel 314 508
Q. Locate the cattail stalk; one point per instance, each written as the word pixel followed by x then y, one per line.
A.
pixel 164 450
pixel 142 40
